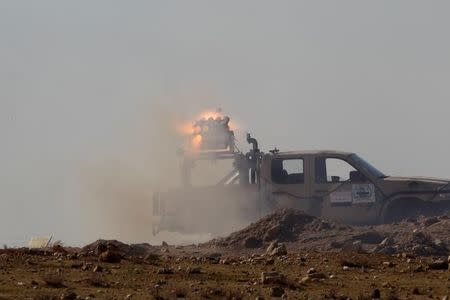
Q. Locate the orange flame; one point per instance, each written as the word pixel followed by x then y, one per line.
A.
pixel 188 129
pixel 185 128
pixel 196 142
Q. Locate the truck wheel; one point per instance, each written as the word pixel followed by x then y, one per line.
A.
pixel 404 208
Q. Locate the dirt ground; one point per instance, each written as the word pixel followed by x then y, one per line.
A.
pixel 287 255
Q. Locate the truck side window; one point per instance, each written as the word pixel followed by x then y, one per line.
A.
pixel 329 170
pixel 287 171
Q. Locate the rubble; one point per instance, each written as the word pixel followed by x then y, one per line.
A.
pixel 272 278
pixel 421 237
pixel 283 225
pixel 99 246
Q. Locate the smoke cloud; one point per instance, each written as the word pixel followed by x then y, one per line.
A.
pixel 118 189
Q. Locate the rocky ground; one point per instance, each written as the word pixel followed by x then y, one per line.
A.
pixel 285 255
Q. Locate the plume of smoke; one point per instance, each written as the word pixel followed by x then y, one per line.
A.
pixel 118 187
pixel 118 192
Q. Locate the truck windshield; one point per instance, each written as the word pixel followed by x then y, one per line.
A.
pixel 367 167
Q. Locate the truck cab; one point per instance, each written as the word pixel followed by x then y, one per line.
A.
pixel 344 187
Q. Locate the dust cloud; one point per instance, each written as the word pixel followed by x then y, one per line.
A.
pixel 118 189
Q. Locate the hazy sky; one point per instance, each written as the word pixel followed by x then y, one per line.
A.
pixel 76 77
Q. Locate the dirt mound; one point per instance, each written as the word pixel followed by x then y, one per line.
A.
pixel 422 236
pixel 283 226
pixel 100 246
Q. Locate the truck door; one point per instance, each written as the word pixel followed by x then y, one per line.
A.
pixel 290 183
pixel 345 194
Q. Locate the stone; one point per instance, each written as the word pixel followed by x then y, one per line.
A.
pixel 389 264
pixel 376 294
pixel 194 270
pixel 271 247
pixel 272 233
pixel 276 291
pixel 279 250
pixel 110 256
pixel 272 278
pixel 430 221
pixel 97 269
pixel 305 280
pixel 387 242
pixel 69 296
pixel 100 248
pixel 317 275
pixel 438 264
pixel 165 271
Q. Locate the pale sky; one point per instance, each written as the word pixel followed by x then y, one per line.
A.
pixel 372 77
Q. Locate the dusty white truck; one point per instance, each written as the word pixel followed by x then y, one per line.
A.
pixel 331 184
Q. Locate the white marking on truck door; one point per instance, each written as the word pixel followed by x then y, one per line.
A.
pixel 341 197
pixel 363 193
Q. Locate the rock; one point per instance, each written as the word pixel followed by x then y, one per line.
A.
pixel 129 296
pixel 438 243
pixel 164 244
pixel 100 248
pixel 387 242
pixel 418 250
pixel 389 264
pixel 317 275
pixel 387 250
pixel 430 221
pixel 194 270
pixel 376 294
pixel 276 291
pixel 252 242
pixel 438 264
pixel 345 268
pixel 311 271
pixel 165 271
pixel 272 278
pixel 98 269
pixel 416 291
pixel 69 296
pixel 305 280
pixel 272 233
pixel 59 249
pixel 85 266
pixel 279 250
pixel 4 256
pixel 418 269
pixel 110 256
pixel 271 247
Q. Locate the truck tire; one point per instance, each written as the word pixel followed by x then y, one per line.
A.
pixel 404 208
